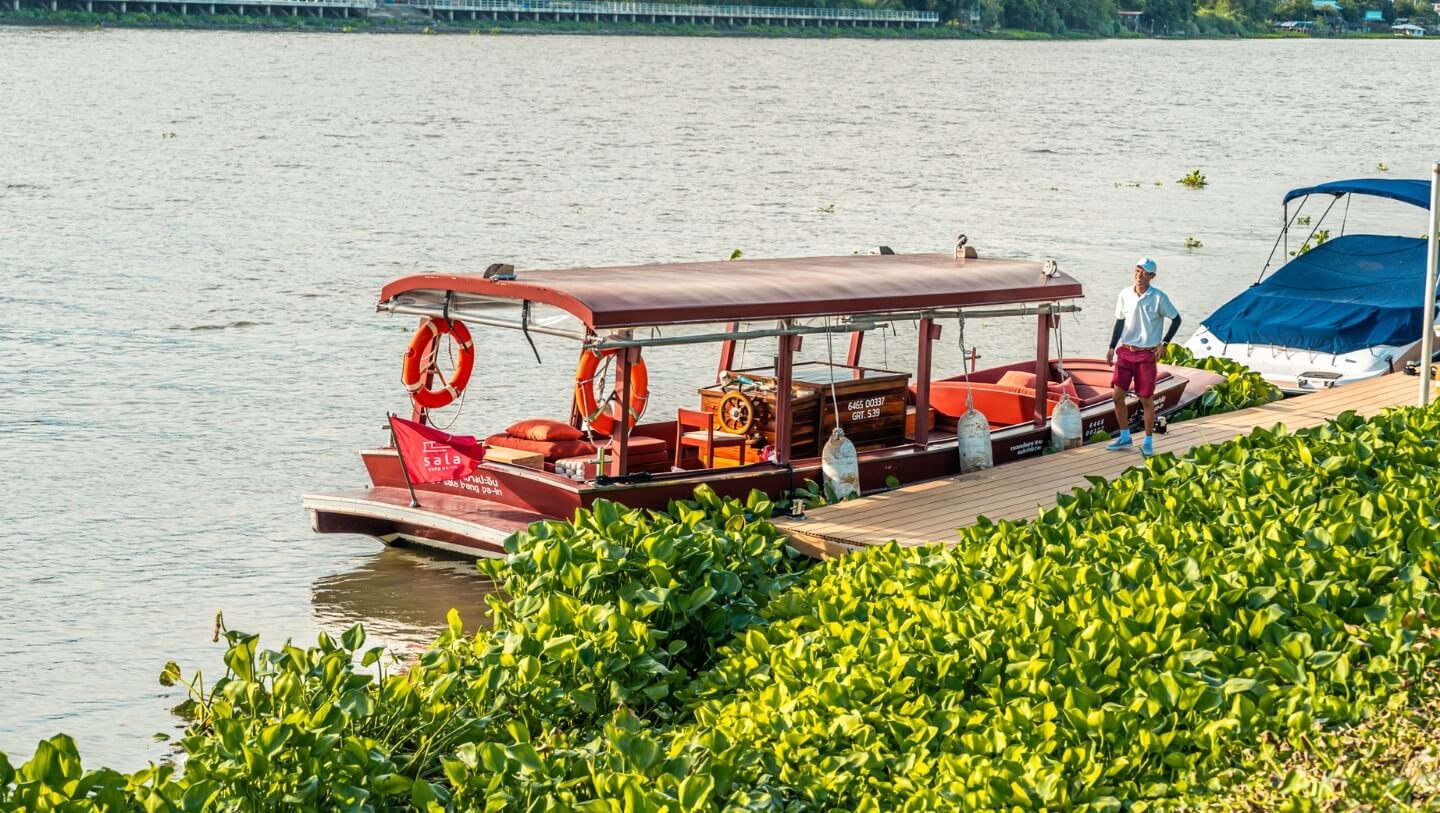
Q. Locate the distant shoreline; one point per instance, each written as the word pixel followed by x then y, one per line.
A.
pixel 359 25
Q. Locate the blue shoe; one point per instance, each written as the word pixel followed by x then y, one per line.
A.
pixel 1120 443
pixel 1147 448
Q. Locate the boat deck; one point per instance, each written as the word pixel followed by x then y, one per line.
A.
pixel 453 523
pixel 932 511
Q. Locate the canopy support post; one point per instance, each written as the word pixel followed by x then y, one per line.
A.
pixel 627 357
pixel 784 375
pixel 727 351
pixel 857 343
pixel 1427 339
pixel 929 334
pixel 1042 366
pixel 420 414
pixel 1284 232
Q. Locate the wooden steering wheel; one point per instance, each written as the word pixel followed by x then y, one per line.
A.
pixel 735 413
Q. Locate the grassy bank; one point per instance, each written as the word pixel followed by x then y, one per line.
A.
pixel 1253 626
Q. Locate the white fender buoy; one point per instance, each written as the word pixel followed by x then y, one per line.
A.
pixel 973 433
pixel 1065 424
pixel 841 466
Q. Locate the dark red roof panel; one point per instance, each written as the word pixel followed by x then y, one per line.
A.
pixel 745 290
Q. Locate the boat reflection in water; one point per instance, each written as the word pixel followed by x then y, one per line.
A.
pixel 402 597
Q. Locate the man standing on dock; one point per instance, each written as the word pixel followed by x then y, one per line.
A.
pixel 1135 346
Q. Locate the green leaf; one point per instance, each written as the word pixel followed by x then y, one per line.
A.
pixel 354 638
pixel 701 597
pixel 695 792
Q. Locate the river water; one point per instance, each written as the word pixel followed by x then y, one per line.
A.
pixel 194 227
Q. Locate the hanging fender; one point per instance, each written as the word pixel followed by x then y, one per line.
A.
pixel 419 362
pixel 597 413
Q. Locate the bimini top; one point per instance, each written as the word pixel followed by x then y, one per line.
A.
pixel 1349 293
pixel 1406 190
pixel 745 290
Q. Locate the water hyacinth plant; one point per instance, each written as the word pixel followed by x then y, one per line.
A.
pixel 1242 388
pixel 1145 644
pixel 1194 180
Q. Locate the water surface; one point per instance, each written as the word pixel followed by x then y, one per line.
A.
pixel 194 227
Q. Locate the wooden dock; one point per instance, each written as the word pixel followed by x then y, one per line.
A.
pixel 932 511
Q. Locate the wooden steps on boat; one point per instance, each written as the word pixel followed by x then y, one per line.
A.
pixel 932 511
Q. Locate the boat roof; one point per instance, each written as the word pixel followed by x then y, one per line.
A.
pixel 1413 191
pixel 1349 293
pixel 747 290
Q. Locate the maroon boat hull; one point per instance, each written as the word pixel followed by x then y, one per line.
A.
pixel 525 494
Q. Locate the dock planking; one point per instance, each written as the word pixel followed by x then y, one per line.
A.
pixel 932 511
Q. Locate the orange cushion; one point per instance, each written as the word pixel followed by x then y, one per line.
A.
pixel 544 429
pixel 1017 378
pixel 552 450
pixel 1026 381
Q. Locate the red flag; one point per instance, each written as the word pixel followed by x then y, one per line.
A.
pixel 430 455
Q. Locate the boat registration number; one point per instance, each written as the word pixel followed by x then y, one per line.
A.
pixel 863 409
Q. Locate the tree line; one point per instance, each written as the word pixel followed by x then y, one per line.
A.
pixel 1160 17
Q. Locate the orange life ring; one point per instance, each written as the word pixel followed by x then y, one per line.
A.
pixel 419 360
pixel 600 415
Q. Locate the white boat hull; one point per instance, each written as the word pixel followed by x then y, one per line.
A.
pixel 1297 370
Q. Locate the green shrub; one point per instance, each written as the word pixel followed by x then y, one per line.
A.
pixel 1130 644
pixel 1147 643
pixel 1242 388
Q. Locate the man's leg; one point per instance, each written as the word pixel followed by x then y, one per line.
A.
pixel 1145 388
pixel 1120 382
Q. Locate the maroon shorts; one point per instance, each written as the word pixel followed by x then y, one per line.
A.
pixel 1137 366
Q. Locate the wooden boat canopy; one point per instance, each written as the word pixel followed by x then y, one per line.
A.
pixel 620 297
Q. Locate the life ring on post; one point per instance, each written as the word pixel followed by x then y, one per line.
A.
pixel 419 362
pixel 601 414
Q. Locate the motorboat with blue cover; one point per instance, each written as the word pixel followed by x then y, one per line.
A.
pixel 1344 309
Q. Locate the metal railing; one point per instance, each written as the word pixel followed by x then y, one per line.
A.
pixel 287 3
pixel 597 7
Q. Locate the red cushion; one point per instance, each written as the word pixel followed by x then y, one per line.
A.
pixel 1017 378
pixel 552 450
pixel 639 445
pixel 1026 382
pixel 544 429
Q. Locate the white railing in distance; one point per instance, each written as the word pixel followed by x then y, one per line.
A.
pixel 676 10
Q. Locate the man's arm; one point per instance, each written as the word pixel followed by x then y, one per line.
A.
pixel 1114 340
pixel 1169 334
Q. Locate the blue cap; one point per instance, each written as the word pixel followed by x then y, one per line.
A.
pixel 1147 264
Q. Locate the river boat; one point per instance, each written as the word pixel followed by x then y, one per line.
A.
pixel 1343 309
pixel 750 428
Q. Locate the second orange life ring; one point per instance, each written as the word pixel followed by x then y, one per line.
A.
pixel 419 360
pixel 601 415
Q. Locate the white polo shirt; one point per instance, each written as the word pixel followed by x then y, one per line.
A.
pixel 1144 316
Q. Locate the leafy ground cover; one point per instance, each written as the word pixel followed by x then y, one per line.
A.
pixel 1242 388
pixel 1389 762
pixel 1251 627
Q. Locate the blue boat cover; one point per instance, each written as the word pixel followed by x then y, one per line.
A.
pixel 1349 293
pixel 1406 190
